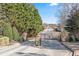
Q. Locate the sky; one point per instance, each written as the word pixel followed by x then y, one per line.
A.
pixel 49 12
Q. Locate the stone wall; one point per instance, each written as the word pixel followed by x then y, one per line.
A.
pixel 56 35
pixel 64 36
pixel 4 41
pixel 61 36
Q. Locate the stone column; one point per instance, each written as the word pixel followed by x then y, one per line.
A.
pixel 24 35
pixel 38 40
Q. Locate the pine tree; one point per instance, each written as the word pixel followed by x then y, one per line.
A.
pixel 24 17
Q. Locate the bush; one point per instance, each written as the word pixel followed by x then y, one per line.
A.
pixel 7 30
pixel 16 35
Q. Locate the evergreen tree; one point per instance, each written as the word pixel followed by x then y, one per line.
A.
pixel 24 17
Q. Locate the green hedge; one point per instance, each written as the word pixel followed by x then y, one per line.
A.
pixel 16 35
pixel 9 31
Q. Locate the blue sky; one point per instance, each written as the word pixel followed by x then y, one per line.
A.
pixel 49 12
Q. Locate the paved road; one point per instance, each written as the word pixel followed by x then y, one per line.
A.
pixel 48 48
pixel 28 48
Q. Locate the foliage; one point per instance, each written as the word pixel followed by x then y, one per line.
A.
pixel 72 20
pixel 7 29
pixel 16 35
pixel 24 17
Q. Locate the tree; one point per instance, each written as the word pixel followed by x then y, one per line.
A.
pixel 65 12
pixel 71 18
pixel 24 17
pixel 73 21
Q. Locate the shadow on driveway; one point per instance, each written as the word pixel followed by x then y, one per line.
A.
pixel 30 54
pixel 47 44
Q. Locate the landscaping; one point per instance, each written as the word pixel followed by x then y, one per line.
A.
pixel 17 19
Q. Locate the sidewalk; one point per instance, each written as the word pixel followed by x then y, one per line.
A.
pixel 73 46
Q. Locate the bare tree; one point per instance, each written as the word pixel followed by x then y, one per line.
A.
pixel 69 13
pixel 65 12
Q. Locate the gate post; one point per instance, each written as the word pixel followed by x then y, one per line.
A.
pixel 38 40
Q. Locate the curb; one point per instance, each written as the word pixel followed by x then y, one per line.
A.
pixel 67 48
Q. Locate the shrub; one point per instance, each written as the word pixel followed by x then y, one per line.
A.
pixel 7 30
pixel 16 35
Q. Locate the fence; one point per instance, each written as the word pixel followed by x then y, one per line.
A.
pixel 63 36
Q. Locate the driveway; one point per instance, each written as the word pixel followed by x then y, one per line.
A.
pixel 28 48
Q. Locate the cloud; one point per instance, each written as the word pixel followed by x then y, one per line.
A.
pixel 53 4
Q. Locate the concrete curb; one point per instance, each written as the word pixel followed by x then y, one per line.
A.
pixel 67 48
